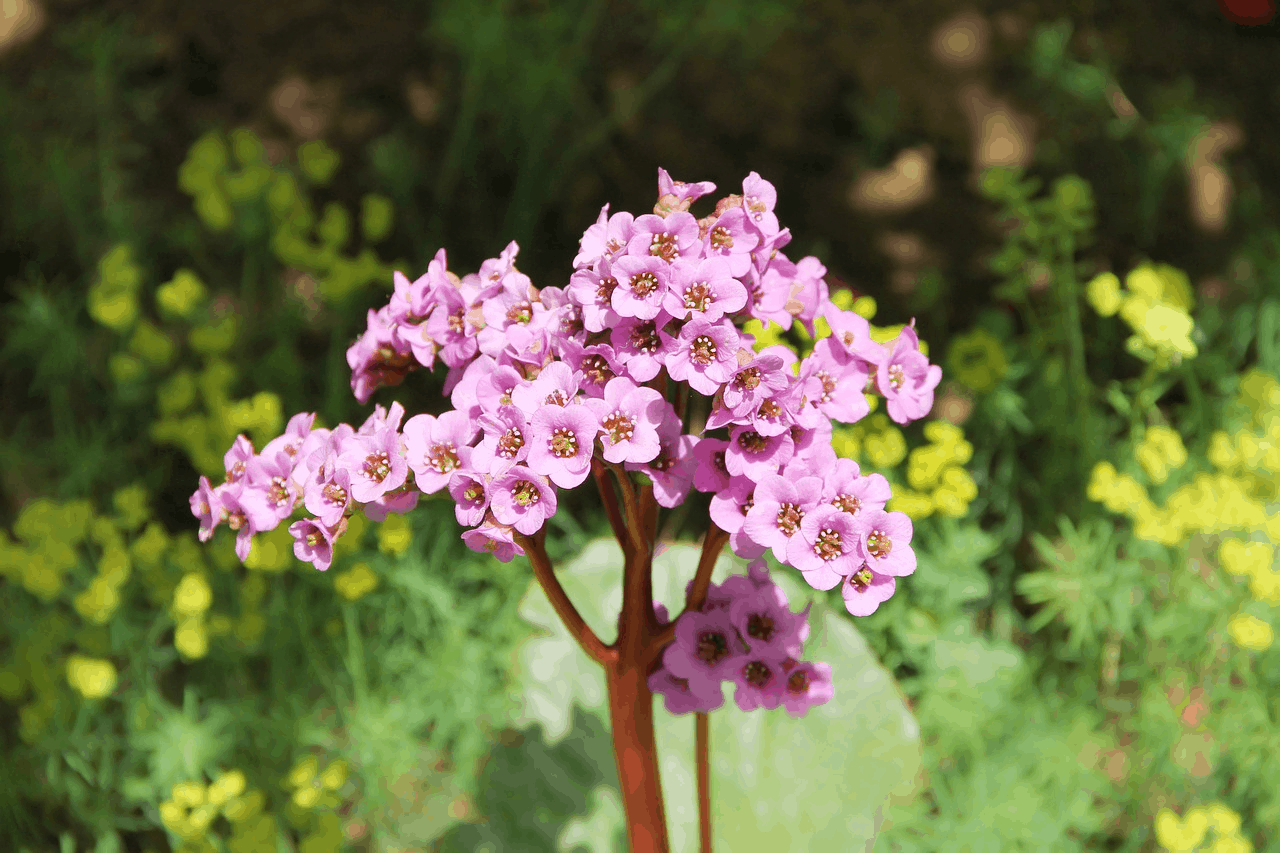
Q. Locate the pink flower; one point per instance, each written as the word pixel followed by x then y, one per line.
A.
pixel 593 289
pixel 206 507
pixel 672 469
pixel 236 459
pixel 711 475
pixel 642 285
pixel 399 502
pixel 238 518
pixel 678 195
pixel 605 239
pixel 295 434
pixel 848 491
pixel 780 505
pixel 753 455
pixel 731 239
pixel 329 497
pixel 670 237
pixel 375 464
pixel 556 385
pixel 864 590
pixel 760 377
pixel 769 628
pixel 807 684
pixel 706 646
pixel 826 548
pixel 595 365
pixel 760 682
pixel 832 387
pixel 269 493
pixel 629 418
pixel 493 538
pixel 885 543
pixel 506 437
pixel 312 543
pixel 907 380
pixel 434 446
pixel 683 695
pixel 758 200
pixel 470 493
pixel 705 355
pixel 561 441
pixel 522 499
pixel 639 349
pixel 705 289
pixel 450 327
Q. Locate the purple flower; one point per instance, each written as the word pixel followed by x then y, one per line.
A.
pixel 375 464
pixel 236 459
pixel 758 200
pixel 556 385
pixel 761 683
pixel 399 502
pixel 670 237
pixel 863 590
pixel 711 475
pixel 595 365
pixel 561 441
pixel 493 538
pixel 269 493
pixel 312 543
pixel 682 695
pixel 885 543
pixel 629 418
pixel 642 285
pixel 706 646
pixel 848 491
pixel 434 446
pixel 729 506
pixel 206 507
pixel 522 499
pixel 780 505
pixel 328 495
pixel 494 389
pixel 826 548
pixel 506 438
pixel 593 289
pixel 808 684
pixel 907 380
pixel 769 628
pixel 470 493
pixel 761 377
pixel 704 289
pixel 678 195
pixel 237 518
pixel 753 455
pixel 832 387
pixel 295 434
pixel 606 238
pixel 639 349
pixel 450 327
pixel 852 333
pixel 730 238
pixel 705 355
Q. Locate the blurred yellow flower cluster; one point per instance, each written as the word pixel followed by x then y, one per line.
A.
pixel 1187 834
pixel 191 599
pixel 193 806
pixel 977 360
pixel 314 788
pixel 1239 497
pixel 1156 302
pixel 91 677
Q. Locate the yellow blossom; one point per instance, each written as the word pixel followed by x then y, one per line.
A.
pixel 192 596
pixel 356 583
pixel 865 307
pixel 1245 559
pixel 1265 586
pixel 1222 452
pixel 303 772
pixel 1249 632
pixel 1167 330
pixel 394 535
pixel 846 441
pixel 924 466
pixel 98 601
pixel 1223 819
pixel 1231 844
pixel 227 786
pixel 914 504
pixel 1103 293
pixel 1100 481
pixel 191 639
pixel 1160 451
pixel 305 798
pixel 885 449
pixel 1181 835
pixel 334 775
pixel 92 677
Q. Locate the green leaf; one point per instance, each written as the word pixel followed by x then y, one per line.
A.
pixel 778 783
pixel 318 161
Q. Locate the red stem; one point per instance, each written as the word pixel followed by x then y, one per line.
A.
pixel 702 750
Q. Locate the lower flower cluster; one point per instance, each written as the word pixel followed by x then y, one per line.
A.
pixel 746 634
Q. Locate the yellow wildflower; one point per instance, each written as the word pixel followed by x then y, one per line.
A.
pixel 356 583
pixel 915 504
pixel 1160 451
pixel 1223 819
pixel 227 786
pixel 865 307
pixel 1265 586
pixel 192 596
pixel 885 449
pixel 92 677
pixel 334 775
pixel 1181 835
pixel 1103 293
pixel 1245 559
pixel 1249 632
pixel 394 535
pixel 1222 452
pixel 191 639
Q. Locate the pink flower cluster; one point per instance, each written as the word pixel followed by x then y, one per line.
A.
pixel 746 634
pixel 544 381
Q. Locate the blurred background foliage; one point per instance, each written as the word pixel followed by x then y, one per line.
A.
pixel 199 202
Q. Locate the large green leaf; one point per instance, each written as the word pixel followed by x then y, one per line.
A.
pixel 821 783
